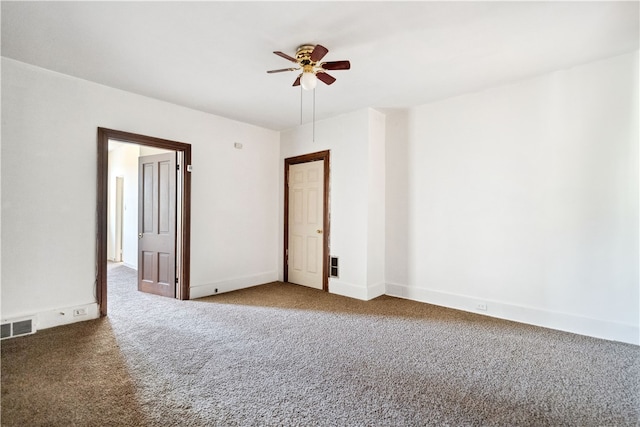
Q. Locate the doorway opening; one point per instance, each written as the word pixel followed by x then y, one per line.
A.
pixel 306 219
pixel 106 242
pixel 117 223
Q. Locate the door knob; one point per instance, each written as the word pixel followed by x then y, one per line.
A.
pixel 319 231
pixel 139 235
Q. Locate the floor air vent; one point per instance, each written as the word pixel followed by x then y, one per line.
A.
pixel 17 328
pixel 6 330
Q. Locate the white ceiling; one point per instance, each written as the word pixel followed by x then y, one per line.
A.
pixel 213 56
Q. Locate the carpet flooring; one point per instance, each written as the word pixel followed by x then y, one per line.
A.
pixel 286 355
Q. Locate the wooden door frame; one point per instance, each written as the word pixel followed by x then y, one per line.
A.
pixel 104 135
pixel 312 157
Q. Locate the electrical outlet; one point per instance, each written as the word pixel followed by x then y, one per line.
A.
pixel 79 312
pixel 481 306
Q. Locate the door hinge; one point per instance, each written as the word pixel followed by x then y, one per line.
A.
pixel 176 280
pixel 177 167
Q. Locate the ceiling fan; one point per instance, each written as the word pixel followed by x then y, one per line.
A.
pixel 308 60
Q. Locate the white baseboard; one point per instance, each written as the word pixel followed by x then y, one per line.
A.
pixel 533 316
pixel 374 291
pixel 356 291
pixel 233 284
pixel 131 266
pixel 347 289
pixel 65 316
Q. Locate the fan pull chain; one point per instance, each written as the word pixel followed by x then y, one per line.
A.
pixel 300 104
pixel 313 137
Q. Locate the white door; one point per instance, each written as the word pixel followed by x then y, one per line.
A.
pixel 306 214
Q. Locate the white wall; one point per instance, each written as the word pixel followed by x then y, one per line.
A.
pixel 396 198
pixel 150 151
pixel 525 198
pixel 376 170
pixel 123 162
pixel 351 197
pixel 49 124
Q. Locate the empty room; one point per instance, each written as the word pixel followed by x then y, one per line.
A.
pixel 320 213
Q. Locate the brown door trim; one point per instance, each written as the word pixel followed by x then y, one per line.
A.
pixel 104 135
pixel 312 157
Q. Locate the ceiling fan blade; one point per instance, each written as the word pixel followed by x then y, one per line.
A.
pixel 281 70
pixel 297 82
pixel 318 53
pixel 336 65
pixel 285 56
pixel 325 78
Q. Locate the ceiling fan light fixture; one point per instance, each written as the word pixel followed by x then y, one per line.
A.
pixel 309 81
pixel 308 59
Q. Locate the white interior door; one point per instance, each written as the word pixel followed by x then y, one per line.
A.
pixel 306 216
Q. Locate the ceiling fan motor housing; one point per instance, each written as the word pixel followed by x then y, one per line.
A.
pixel 303 55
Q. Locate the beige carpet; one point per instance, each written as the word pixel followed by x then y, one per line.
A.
pixel 285 355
